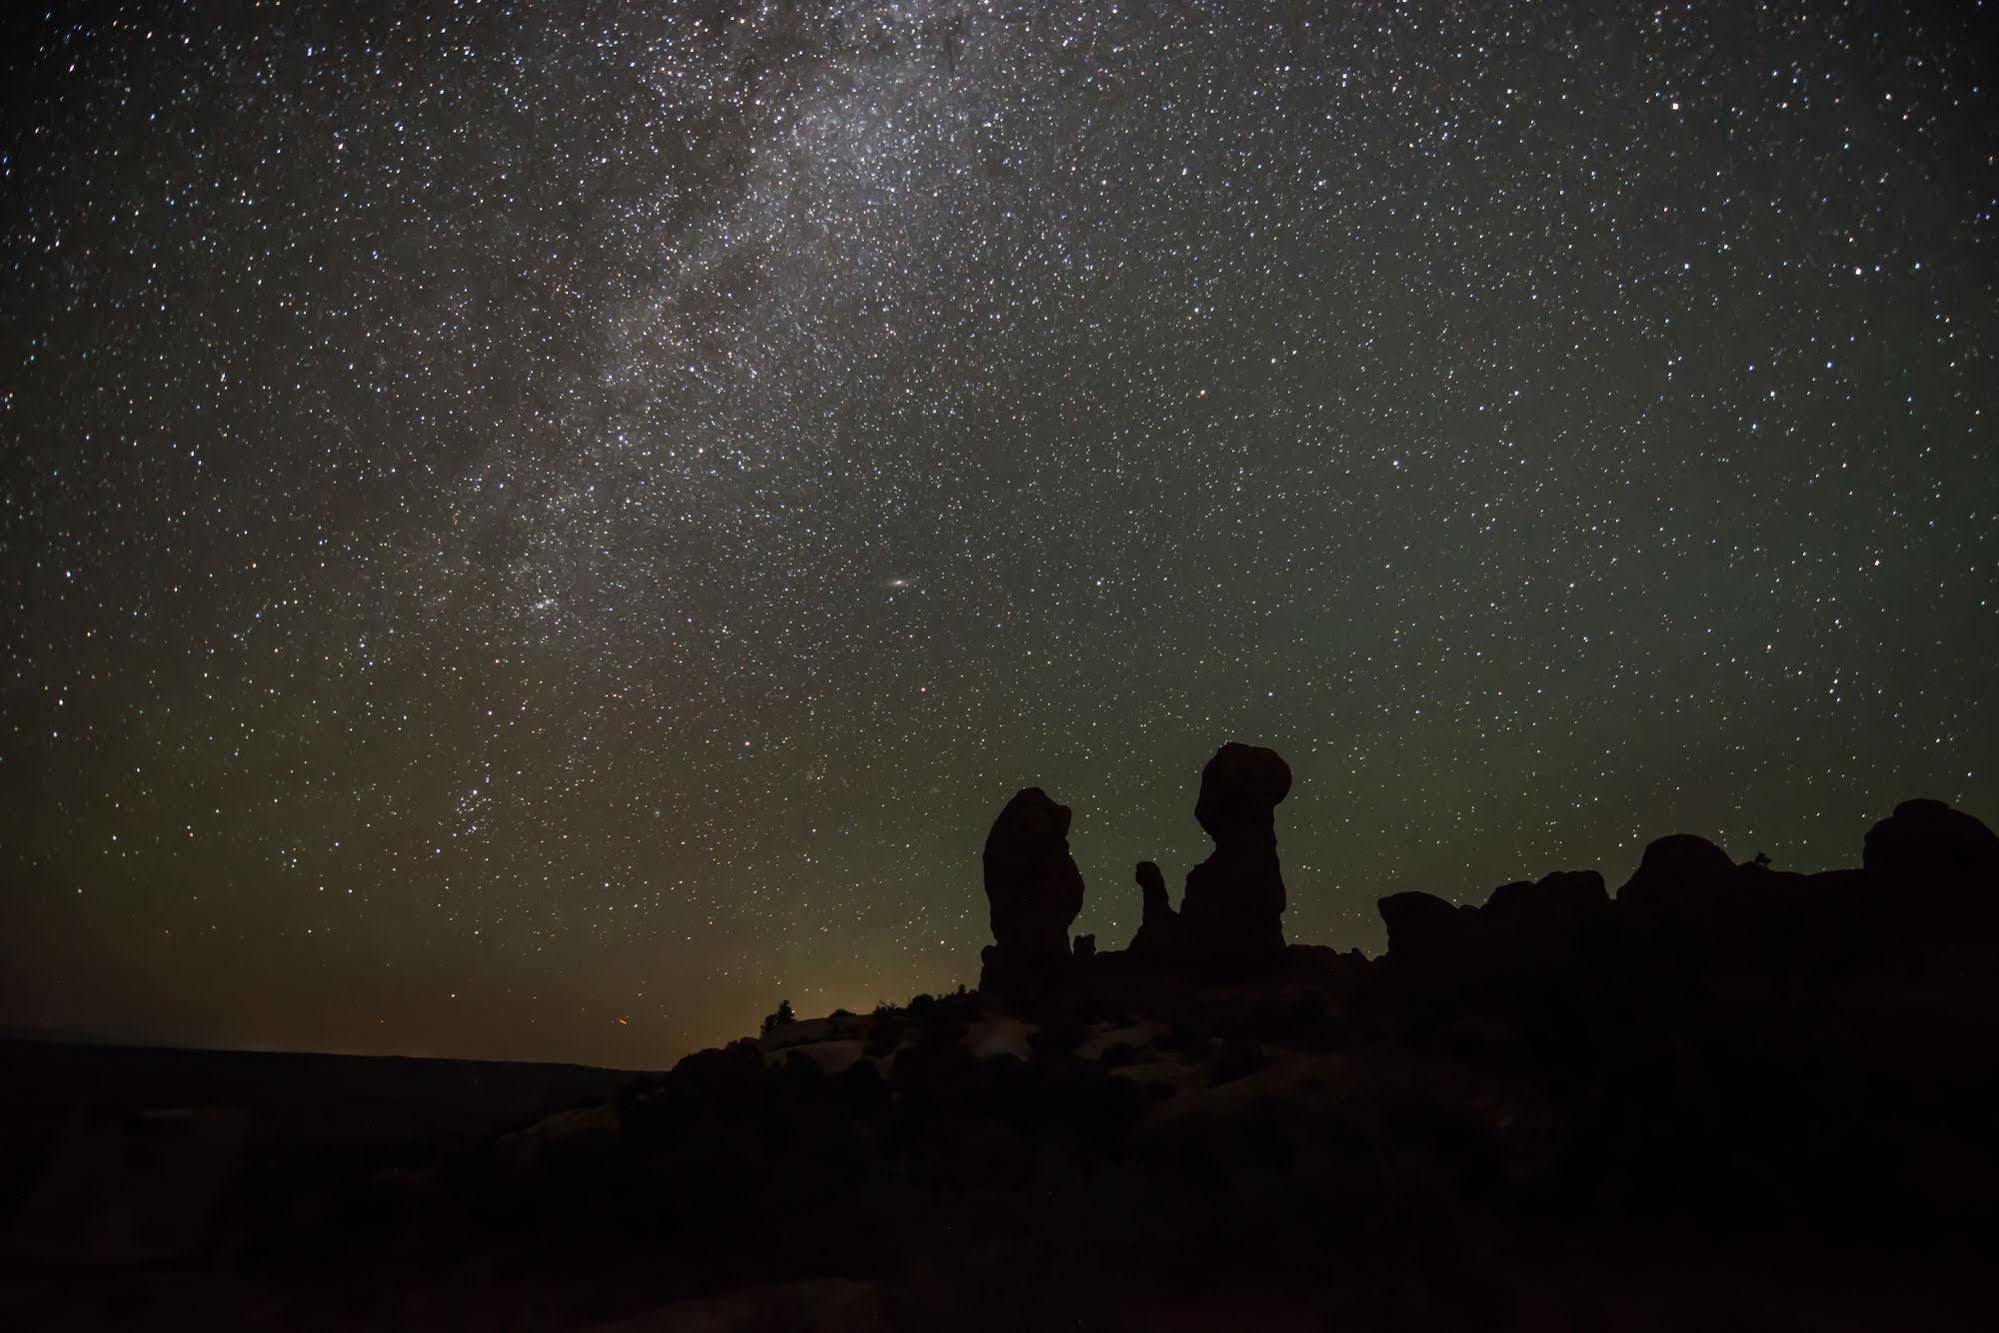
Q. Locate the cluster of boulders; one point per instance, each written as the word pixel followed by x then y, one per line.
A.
pixel 1925 868
pixel 1860 967
pixel 1231 915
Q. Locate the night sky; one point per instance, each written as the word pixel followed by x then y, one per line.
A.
pixel 537 531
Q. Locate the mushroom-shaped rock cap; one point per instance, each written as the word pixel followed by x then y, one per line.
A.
pixel 1240 787
pixel 1232 912
pixel 1927 840
pixel 1674 867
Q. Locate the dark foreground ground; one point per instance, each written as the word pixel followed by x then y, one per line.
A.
pixel 1726 1097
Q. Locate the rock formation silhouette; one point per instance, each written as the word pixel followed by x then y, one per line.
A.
pixel 1232 913
pixel 1941 860
pixel 1679 872
pixel 1523 929
pixel 1566 895
pixel 1422 925
pixel 1772 1056
pixel 1034 891
pixel 1692 937
pixel 1158 934
pixel 1482 1129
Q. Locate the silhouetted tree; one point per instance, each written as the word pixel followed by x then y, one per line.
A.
pixel 778 1019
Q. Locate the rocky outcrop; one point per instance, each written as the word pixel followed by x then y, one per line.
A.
pixel 1518 951
pixel 1034 891
pixel 1565 896
pixel 1232 913
pixel 1422 925
pixel 1926 840
pixel 1676 870
pixel 1159 929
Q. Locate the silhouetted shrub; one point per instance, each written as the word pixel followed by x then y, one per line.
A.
pixel 779 1017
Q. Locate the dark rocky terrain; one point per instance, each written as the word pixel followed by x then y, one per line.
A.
pixel 1724 1096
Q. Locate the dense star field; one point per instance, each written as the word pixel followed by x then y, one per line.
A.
pixel 535 531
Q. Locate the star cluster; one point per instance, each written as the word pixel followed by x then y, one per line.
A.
pixel 534 531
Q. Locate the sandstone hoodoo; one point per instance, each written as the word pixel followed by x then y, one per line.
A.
pixel 1034 890
pixel 1232 913
pixel 1159 929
